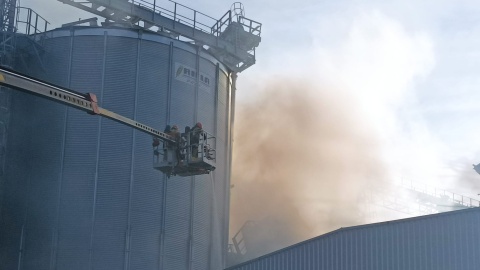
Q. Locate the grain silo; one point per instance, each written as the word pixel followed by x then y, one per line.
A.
pixel 79 191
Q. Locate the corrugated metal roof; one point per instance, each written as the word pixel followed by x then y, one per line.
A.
pixel 455 232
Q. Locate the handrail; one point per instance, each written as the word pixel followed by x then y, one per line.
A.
pixel 193 10
pixel 216 29
pixel 31 22
pixel 233 34
pixel 196 22
pixel 253 26
pixel 454 197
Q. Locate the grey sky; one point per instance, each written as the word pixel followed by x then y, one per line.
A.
pixel 415 65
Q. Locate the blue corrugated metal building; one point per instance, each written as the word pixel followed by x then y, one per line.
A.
pixel 444 241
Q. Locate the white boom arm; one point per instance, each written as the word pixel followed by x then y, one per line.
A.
pixel 85 102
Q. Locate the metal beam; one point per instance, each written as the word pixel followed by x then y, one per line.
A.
pixel 227 40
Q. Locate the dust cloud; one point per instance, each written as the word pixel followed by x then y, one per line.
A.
pixel 303 156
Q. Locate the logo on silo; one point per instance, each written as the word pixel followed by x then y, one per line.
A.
pixel 189 75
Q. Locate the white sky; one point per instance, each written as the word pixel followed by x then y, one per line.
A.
pixel 412 65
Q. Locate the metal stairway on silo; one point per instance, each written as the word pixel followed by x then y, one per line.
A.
pixel 232 39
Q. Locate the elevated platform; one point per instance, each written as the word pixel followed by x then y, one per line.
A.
pixel 26 39
pixel 232 39
pixel 187 157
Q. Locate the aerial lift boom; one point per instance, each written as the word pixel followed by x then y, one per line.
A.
pixel 174 157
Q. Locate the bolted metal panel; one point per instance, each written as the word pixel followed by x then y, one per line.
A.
pixel 116 145
pixel 59 62
pixel 441 241
pixel 75 217
pixel 222 188
pixel 146 218
pixel 45 160
pixel 16 177
pixel 177 222
pixel 222 106
pixel 182 108
pixel 201 227
pixel 206 96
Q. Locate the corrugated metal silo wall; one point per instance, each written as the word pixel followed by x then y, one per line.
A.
pixel 438 242
pixel 81 190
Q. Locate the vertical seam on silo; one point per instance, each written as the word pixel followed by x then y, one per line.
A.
pixel 22 241
pixel 4 142
pixel 169 78
pixel 162 229
pixel 21 249
pixel 192 178
pixel 227 150
pixel 192 213
pixel 213 174
pixel 197 83
pixel 231 119
pixel 132 162
pixel 62 159
pixel 54 253
pixel 165 179
pixel 97 161
pixel 217 75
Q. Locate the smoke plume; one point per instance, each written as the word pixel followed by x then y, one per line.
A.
pixel 302 158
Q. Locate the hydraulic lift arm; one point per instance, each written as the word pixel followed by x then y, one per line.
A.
pixel 85 102
pixel 178 156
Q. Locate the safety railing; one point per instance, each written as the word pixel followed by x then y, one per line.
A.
pixel 250 26
pixel 200 149
pixel 30 22
pixel 180 13
pixel 238 239
pixel 440 193
pixel 253 27
pixel 198 20
pixel 189 149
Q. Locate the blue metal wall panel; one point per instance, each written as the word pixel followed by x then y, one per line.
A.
pixel 79 161
pixel 44 159
pixel 222 106
pixel 206 96
pixel 202 227
pixel 146 209
pixel 116 144
pixel 58 62
pixel 442 241
pixel 16 177
pixel 183 93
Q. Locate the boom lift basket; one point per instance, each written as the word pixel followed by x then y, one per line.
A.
pixel 194 154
